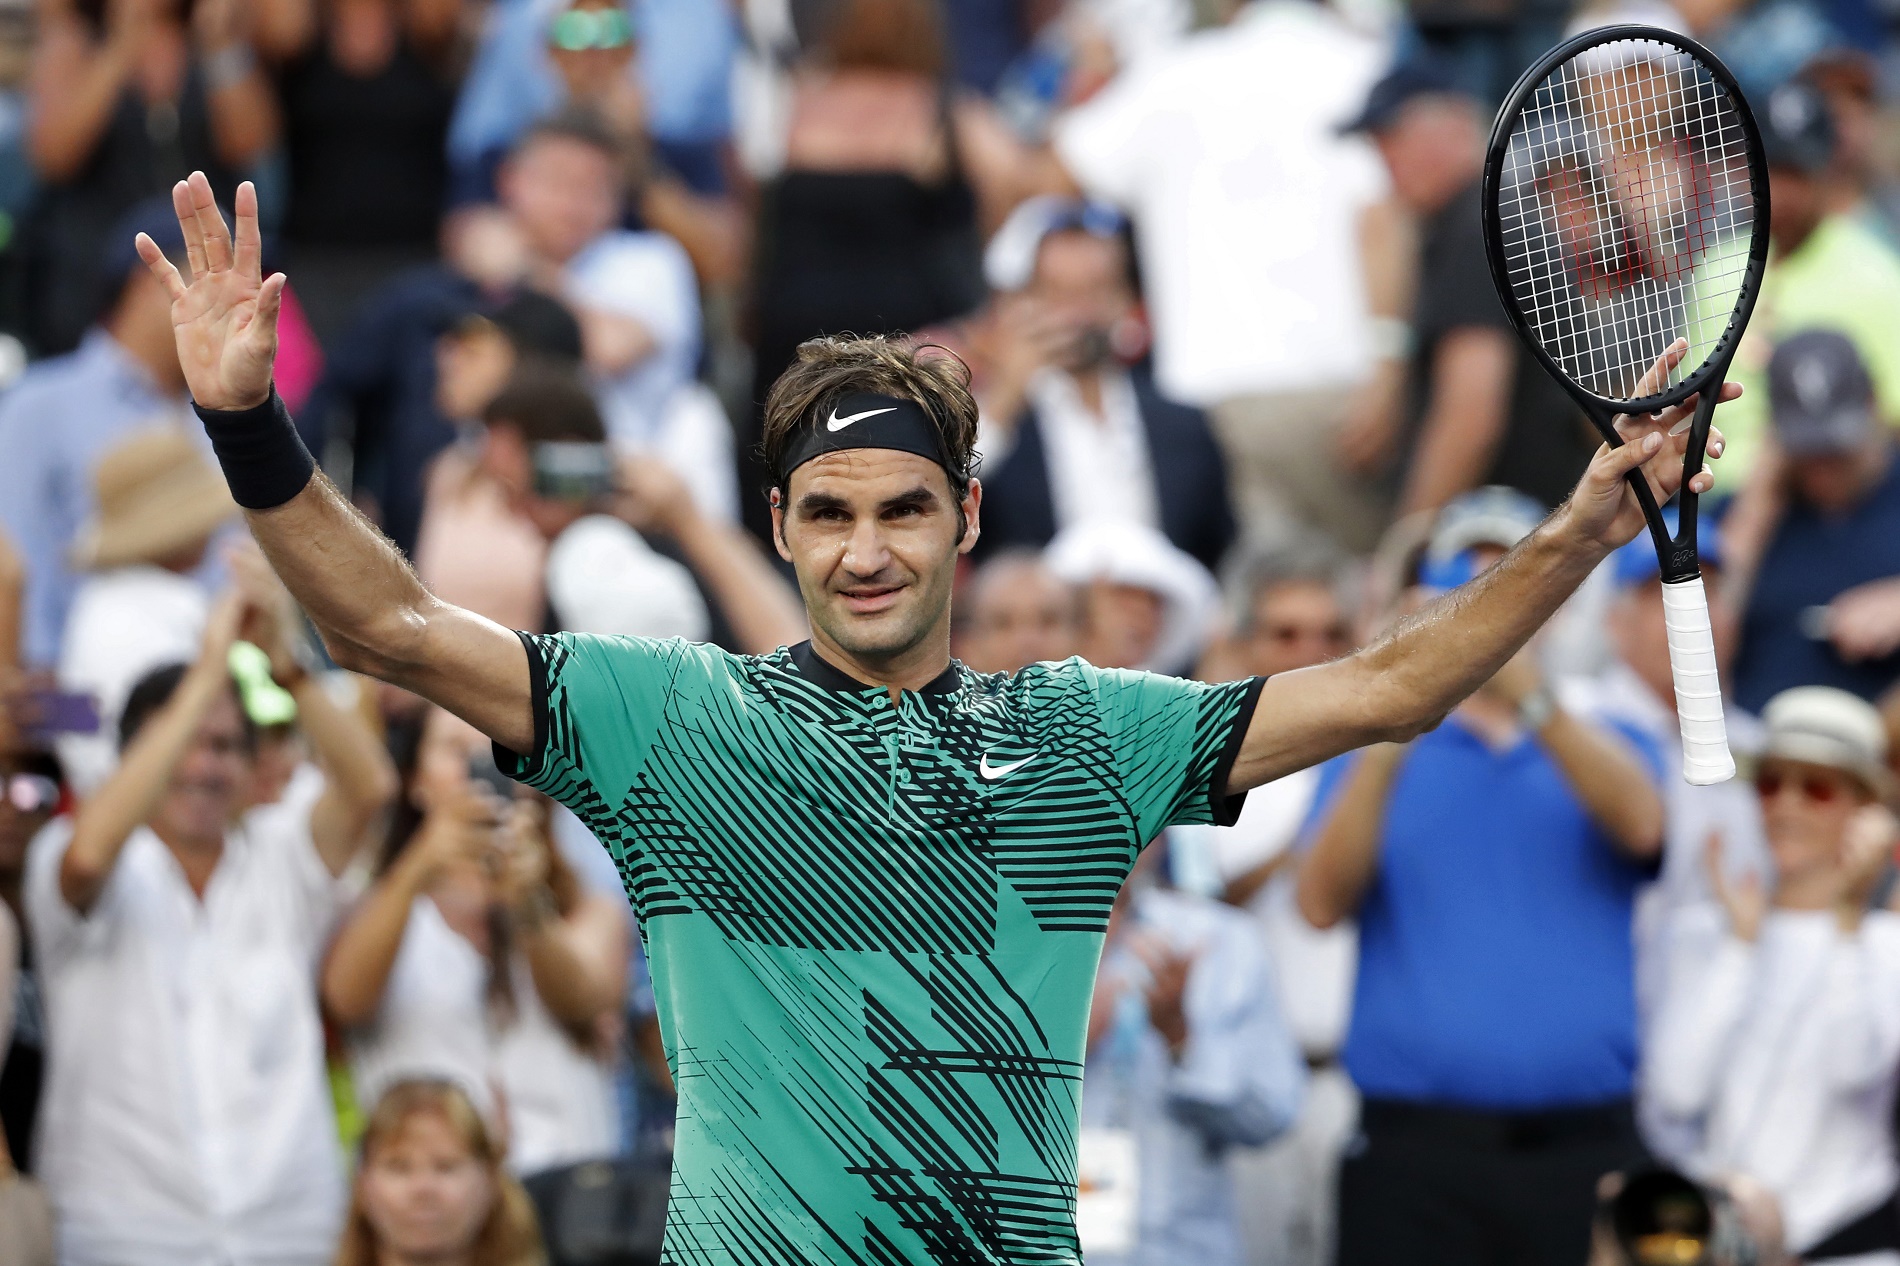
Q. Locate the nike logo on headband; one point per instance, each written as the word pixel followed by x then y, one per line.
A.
pixel 836 423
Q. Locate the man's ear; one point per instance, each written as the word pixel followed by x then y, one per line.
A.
pixel 972 527
pixel 779 542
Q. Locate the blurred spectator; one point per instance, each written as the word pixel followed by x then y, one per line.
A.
pixel 366 88
pixel 478 957
pixel 682 77
pixel 630 552
pixel 1145 604
pixel 1829 269
pixel 1247 207
pixel 985 36
pixel 29 793
pixel 1070 434
pixel 1481 410
pixel 870 221
pixel 430 1189
pixel 1292 617
pixel 160 502
pixel 1638 689
pixel 1492 863
pixel 1188 1059
pixel 26 1223
pixel 1015 612
pixel 66 413
pixel 129 97
pixel 186 1117
pixel 1824 607
pixel 633 294
pixel 1780 1027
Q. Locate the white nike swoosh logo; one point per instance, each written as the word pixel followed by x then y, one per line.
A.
pixel 838 424
pixel 990 773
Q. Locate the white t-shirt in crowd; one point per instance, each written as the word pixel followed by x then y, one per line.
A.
pixel 656 407
pixel 1225 151
pixel 433 1021
pixel 123 624
pixel 561 1105
pixel 1787 1051
pixel 1099 465
pixel 186 1117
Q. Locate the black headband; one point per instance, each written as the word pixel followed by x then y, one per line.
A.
pixel 865 420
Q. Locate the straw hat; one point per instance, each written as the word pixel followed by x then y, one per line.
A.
pixel 1819 725
pixel 157 496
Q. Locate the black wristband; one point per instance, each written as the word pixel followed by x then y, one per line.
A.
pixel 263 457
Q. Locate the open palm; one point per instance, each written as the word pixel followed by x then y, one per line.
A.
pixel 225 319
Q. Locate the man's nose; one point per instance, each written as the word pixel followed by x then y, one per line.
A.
pixel 865 552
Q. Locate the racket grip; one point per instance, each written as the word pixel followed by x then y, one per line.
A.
pixel 1705 754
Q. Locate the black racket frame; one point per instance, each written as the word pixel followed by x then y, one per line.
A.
pixel 1677 553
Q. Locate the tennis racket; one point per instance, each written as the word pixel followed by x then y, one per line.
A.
pixel 1626 223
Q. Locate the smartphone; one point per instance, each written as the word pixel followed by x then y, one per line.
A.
pixel 575 471
pixel 45 714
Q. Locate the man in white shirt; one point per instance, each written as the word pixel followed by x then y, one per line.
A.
pixel 1248 209
pixel 1779 1029
pixel 634 295
pixel 186 1117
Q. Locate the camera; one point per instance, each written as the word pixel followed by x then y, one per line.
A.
pixel 1659 1217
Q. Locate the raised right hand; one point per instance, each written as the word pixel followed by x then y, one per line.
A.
pixel 225 320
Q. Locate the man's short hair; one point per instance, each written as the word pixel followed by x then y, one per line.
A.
pixel 154 690
pixel 546 402
pixel 829 369
pixel 576 123
pixel 1303 561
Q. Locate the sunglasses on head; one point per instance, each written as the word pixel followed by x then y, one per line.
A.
pixel 1816 788
pixel 578 30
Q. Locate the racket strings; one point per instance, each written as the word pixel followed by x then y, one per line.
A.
pixel 1627 213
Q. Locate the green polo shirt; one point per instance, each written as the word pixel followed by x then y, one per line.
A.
pixel 873 926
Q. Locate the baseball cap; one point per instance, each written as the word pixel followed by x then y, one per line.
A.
pixel 1819 395
pixel 1637 564
pixel 1819 725
pixel 1796 130
pixel 1494 516
pixel 1406 82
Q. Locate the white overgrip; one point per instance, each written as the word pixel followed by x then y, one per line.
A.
pixel 1705 754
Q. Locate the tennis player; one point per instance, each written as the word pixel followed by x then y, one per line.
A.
pixel 873 884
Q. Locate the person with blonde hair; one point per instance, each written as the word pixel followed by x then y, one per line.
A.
pixel 430 1187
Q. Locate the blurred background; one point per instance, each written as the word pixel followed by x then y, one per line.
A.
pixel 290 973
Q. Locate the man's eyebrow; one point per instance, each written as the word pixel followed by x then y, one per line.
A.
pixel 821 501
pixel 920 497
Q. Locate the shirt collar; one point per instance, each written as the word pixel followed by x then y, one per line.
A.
pixel 820 672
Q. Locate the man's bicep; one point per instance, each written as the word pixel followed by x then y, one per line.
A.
pixel 480 671
pixel 1305 717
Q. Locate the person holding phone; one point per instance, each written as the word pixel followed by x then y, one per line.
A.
pixel 478 957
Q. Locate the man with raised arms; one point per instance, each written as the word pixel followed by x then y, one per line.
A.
pixel 873 883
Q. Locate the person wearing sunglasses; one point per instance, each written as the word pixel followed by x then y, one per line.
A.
pixel 1779 1029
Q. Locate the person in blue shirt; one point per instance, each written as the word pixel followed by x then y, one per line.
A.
pixel 1492 865
pixel 1824 609
pixel 1188 1058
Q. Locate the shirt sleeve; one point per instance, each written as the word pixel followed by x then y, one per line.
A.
pixel 598 702
pixel 1174 744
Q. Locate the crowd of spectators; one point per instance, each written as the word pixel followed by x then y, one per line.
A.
pixel 291 973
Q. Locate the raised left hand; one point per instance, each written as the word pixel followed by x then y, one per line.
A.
pixel 1603 509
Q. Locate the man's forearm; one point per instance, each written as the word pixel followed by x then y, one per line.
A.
pixel 1615 789
pixel 1334 876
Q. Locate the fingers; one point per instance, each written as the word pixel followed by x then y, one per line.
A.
pixel 270 301
pixel 187 214
pixel 1619 462
pixel 161 267
pixel 1658 376
pixel 217 238
pixel 250 241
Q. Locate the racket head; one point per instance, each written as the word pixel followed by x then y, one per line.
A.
pixel 1625 205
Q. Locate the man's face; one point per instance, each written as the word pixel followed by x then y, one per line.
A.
pixel 873 536
pixel 1795 206
pixel 1124 623
pixel 507 459
pixel 1020 614
pixel 1641 637
pixel 1295 625
pixel 1835 482
pixel 212 781
pixel 1081 282
pixel 1429 150
pixel 562 193
pixel 1806 809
